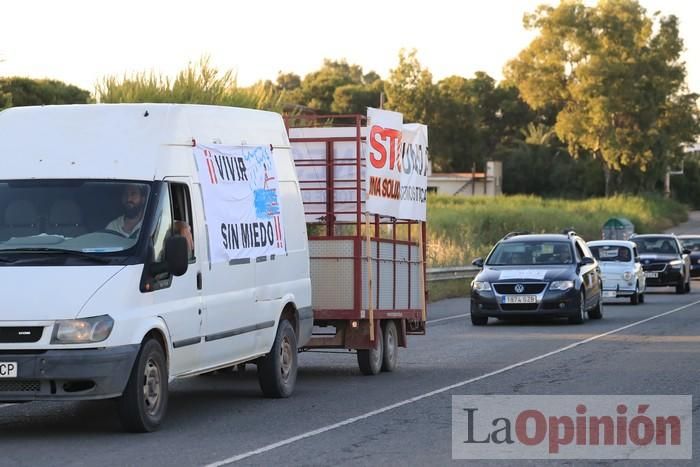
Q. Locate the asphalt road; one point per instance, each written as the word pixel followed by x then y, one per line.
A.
pixel 692 226
pixel 338 417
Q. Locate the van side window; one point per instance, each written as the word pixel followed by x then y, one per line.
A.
pixel 182 214
pixel 173 217
pixel 163 225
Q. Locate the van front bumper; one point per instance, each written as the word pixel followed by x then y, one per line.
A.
pixel 71 374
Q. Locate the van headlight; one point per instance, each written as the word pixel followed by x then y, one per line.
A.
pixel 481 286
pixel 82 331
pixel 627 276
pixel 561 285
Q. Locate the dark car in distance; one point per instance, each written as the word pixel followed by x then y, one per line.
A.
pixel 692 243
pixel 542 275
pixel 665 261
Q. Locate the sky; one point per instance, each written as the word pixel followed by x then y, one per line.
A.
pixel 83 41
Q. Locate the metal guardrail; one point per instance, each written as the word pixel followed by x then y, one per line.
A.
pixel 455 272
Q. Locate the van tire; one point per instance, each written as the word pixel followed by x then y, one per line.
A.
pixel 390 359
pixel 277 371
pixel 370 360
pixel 143 403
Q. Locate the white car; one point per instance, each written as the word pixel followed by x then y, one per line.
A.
pixel 622 271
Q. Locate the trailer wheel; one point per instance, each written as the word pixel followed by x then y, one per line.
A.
pixel 277 371
pixel 143 403
pixel 370 360
pixel 391 347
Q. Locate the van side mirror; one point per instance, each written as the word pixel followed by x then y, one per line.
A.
pixel 176 255
pixel 637 259
pixel 478 262
pixel 587 260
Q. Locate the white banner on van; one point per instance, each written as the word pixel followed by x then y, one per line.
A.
pixel 397 168
pixel 241 201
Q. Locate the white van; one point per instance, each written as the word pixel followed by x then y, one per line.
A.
pixel 117 272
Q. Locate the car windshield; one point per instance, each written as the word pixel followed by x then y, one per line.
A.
pixel 611 253
pixel 656 245
pixel 86 216
pixel 692 244
pixel 515 253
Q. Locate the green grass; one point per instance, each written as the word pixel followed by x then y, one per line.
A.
pixel 461 229
pixel 452 288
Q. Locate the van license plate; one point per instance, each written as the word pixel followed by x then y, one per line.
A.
pixel 652 275
pixel 517 299
pixel 8 369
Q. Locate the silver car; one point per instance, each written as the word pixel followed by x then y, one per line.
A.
pixel 621 268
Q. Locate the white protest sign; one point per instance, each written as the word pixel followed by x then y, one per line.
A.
pixel 397 166
pixel 414 172
pixel 241 201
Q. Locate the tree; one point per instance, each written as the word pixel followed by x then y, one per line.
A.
pixel 288 81
pixel 471 118
pixel 26 91
pixel 616 77
pixel 537 163
pixel 355 98
pixel 318 88
pixel 410 89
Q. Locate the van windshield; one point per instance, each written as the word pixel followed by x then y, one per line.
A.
pixel 85 216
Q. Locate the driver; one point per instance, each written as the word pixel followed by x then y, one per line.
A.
pixel 134 203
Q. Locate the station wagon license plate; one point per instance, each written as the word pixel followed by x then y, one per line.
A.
pixel 519 299
pixel 8 369
pixel 652 275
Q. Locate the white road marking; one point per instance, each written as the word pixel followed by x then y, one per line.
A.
pixel 6 405
pixel 327 428
pixel 464 315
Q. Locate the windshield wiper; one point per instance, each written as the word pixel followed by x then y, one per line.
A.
pixel 60 251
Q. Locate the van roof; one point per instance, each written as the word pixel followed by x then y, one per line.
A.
pixel 124 141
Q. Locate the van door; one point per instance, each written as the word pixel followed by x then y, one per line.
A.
pixel 179 301
pixel 228 294
pixel 285 275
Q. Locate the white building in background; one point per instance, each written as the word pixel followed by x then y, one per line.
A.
pixel 693 149
pixel 469 183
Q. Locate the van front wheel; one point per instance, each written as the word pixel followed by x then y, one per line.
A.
pixel 143 403
pixel 277 371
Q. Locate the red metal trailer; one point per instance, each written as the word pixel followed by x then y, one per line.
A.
pixel 367 271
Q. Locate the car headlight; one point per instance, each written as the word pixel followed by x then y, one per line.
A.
pixel 82 331
pixel 627 275
pixel 561 285
pixel 676 263
pixel 481 286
